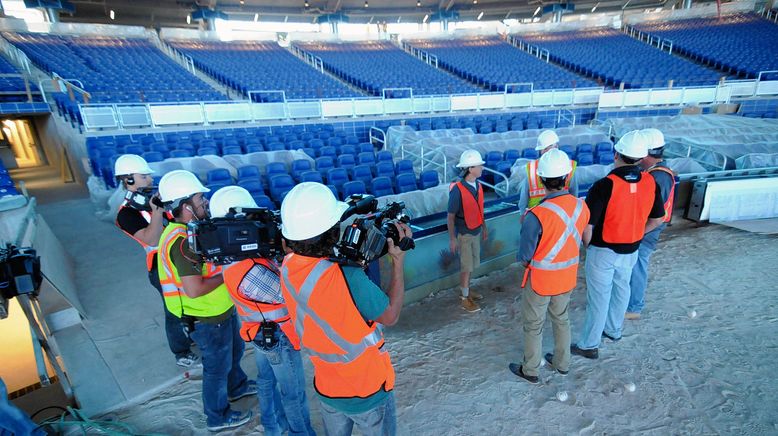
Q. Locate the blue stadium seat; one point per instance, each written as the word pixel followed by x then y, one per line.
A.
pixel 337 177
pixel 569 150
pixel 353 187
pixel 311 176
pixel 231 149
pixel 273 168
pixel 530 153
pixel 265 201
pixel 366 158
pixel 153 156
pixel 218 175
pixel 362 173
pixel 346 161
pixel 254 186
pixel 247 172
pixel 300 166
pixel 406 182
pixel 428 179
pixel 181 153
pixel 324 164
pixel 207 151
pixel 585 159
pixel 511 155
pixel 385 169
pixel 365 147
pixel 403 166
pixel 328 150
pixel 384 156
pixel 604 159
pixel 348 149
pixel 280 184
pixel 382 186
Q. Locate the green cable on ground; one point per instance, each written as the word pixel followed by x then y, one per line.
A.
pixel 111 428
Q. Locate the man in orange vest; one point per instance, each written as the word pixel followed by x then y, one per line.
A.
pixel 531 191
pixel 623 207
pixel 466 223
pixel 655 165
pixel 143 221
pixel 548 250
pixel 338 312
pixel 255 288
pixel 195 292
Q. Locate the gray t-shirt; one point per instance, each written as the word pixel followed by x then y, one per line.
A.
pixel 455 207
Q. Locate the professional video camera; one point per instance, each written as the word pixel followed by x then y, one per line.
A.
pixel 364 240
pixel 20 273
pixel 142 198
pixel 243 234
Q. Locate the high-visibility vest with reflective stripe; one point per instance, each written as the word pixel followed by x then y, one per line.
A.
pixel 628 209
pixel 555 263
pixel 472 208
pixel 251 312
pixel 177 302
pixel 671 195
pixel 346 351
pixel 536 189
pixel 150 250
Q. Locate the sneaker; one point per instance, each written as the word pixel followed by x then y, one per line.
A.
pixel 632 316
pixel 516 369
pixel 614 339
pixel 236 419
pixel 469 305
pixel 188 360
pixel 251 389
pixel 475 296
pixel 589 354
pixel 550 359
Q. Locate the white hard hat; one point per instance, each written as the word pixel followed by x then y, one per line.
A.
pixel 546 139
pixel 633 144
pixel 128 164
pixel 229 196
pixel 554 163
pixel 179 185
pixel 309 210
pixel 470 158
pixel 655 138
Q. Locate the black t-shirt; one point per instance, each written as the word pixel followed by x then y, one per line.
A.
pixel 131 220
pixel 600 194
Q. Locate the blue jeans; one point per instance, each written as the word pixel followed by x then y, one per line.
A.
pixel 281 367
pixel 381 421
pixel 222 348
pixel 607 294
pixel 177 340
pixel 639 281
pixel 12 420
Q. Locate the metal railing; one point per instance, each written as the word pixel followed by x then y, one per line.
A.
pixel 185 61
pixel 315 61
pixel 534 50
pixel 663 44
pixel 17 57
pixel 377 136
pixel 424 56
pixel 769 14
pixel 27 92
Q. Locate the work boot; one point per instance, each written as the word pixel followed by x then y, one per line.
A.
pixel 589 354
pixel 612 338
pixel 469 305
pixel 632 316
pixel 475 296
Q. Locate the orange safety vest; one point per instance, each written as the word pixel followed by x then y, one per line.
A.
pixel 252 312
pixel 555 263
pixel 628 209
pixel 472 209
pixel 346 352
pixel 536 189
pixel 151 251
pixel 671 196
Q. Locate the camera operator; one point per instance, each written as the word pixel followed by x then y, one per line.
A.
pixel 194 291
pixel 255 288
pixel 144 224
pixel 336 311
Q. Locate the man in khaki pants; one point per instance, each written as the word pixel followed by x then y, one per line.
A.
pixel 466 222
pixel 548 249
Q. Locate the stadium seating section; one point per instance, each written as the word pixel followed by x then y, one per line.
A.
pixel 613 57
pixel 12 89
pixel 377 65
pixel 492 63
pixel 741 44
pixel 261 65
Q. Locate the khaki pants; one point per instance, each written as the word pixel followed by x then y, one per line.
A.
pixel 469 251
pixel 533 312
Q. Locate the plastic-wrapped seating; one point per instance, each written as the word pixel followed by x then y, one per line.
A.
pixel 353 187
pixel 511 155
pixel 604 159
pixel 311 176
pixel 530 153
pixel 406 182
pixel 428 179
pixel 569 150
pixel 585 159
pixel 382 186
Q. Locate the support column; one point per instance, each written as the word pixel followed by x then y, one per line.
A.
pixel 210 24
pixel 53 15
pixel 687 4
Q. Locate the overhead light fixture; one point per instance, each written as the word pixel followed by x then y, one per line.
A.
pixel 307 5
pixel 475 2
pixel 426 17
pixel 418 3
pixel 242 2
pixel 367 5
pixel 256 17
pixel 112 14
pixel 188 19
pixel 536 11
pixel 481 15
pixel 595 6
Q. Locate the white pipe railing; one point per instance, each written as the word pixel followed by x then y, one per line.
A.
pixel 376 139
pixel 98 116
pixel 663 44
pixel 540 53
pixel 423 55
pixel 17 56
pixel 309 58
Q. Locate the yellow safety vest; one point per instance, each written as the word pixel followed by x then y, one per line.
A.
pixel 536 189
pixel 177 302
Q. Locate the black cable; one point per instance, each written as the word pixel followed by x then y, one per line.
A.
pixel 32 417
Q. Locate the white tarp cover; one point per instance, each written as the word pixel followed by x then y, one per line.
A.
pixel 709 138
pixel 262 158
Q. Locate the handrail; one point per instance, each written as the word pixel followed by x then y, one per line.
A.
pixel 534 50
pixel 70 86
pixel 423 55
pixel 375 139
pixel 309 58
pixel 500 191
pixel 648 38
pixel 16 55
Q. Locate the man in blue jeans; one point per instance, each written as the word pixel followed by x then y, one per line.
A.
pixel 255 288
pixel 655 165
pixel 623 207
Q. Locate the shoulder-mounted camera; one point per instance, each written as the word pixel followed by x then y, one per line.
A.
pixel 142 198
pixel 244 233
